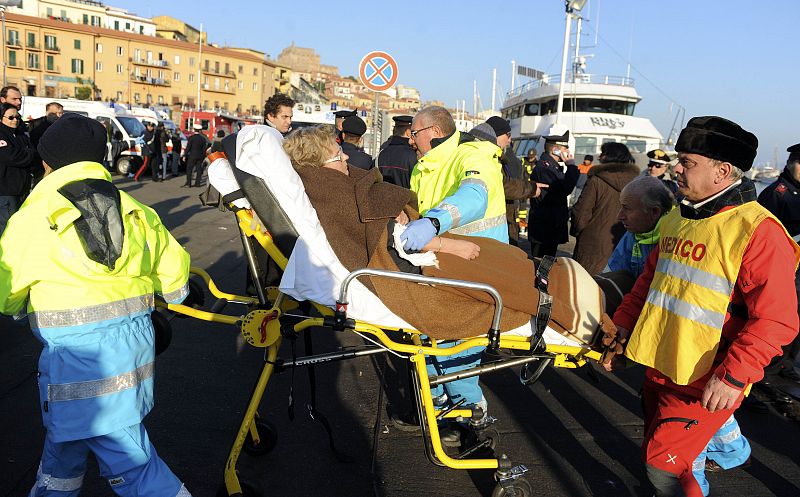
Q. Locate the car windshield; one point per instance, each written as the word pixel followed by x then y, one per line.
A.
pixel 133 126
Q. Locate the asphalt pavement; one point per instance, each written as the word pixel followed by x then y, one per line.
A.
pixel 578 431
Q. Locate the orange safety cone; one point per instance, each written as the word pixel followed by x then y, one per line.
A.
pixel 141 169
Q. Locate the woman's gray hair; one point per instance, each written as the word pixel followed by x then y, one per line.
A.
pixel 652 192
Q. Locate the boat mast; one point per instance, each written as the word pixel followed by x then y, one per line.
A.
pixel 494 86
pixel 572 6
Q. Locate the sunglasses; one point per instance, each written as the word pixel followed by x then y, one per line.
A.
pixel 12 118
pixel 656 165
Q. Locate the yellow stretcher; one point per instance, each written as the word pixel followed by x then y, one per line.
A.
pixel 273 317
pixel 265 325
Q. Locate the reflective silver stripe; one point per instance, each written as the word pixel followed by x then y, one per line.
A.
pixel 178 295
pixel 729 422
pixel 685 309
pixel 455 214
pixel 796 238
pixel 697 276
pixel 475 181
pixel 480 225
pixel 699 463
pixel 92 313
pixel 96 388
pixel 183 492
pixel 58 484
pixel 728 437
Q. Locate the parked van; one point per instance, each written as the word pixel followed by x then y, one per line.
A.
pixel 116 119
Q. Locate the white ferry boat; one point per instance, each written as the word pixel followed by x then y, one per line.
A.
pixel 595 109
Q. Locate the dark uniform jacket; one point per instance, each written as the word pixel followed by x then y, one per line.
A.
pixel 396 161
pixel 16 158
pixel 549 213
pixel 782 199
pixel 358 157
pixel 196 146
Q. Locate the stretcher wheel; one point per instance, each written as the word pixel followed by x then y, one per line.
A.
pixel 162 331
pixel 248 490
pixel 517 488
pixel 268 435
pixel 196 298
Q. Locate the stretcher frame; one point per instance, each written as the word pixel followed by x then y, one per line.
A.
pixel 271 319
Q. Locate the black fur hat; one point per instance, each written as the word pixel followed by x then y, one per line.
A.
pixel 720 139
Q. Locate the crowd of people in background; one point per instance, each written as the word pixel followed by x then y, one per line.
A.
pixel 687 233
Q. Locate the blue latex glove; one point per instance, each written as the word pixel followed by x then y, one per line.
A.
pixel 418 234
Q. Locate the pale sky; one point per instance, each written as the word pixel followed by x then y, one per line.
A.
pixel 737 59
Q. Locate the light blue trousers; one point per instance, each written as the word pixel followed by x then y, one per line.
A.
pixel 126 458
pixel 727 447
pixel 467 388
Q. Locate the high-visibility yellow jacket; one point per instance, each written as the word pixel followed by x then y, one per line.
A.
pixel 679 329
pixel 460 183
pixel 96 368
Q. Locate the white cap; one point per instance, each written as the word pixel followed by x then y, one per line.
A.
pixel 198 127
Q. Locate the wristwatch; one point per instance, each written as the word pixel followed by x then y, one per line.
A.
pixel 434 222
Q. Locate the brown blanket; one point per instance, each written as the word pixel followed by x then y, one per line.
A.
pixel 354 212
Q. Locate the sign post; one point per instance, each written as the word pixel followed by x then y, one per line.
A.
pixel 378 72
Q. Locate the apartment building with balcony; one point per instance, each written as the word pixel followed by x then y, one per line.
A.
pixel 47 57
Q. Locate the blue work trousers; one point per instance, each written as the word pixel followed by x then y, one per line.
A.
pixel 727 447
pixel 126 458
pixel 467 388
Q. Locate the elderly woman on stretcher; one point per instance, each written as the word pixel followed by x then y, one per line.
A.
pixel 360 215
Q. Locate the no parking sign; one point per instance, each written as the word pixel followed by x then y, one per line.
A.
pixel 378 71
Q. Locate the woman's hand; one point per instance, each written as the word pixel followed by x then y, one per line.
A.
pixel 461 248
pixel 402 218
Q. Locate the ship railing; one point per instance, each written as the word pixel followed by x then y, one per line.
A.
pixel 583 78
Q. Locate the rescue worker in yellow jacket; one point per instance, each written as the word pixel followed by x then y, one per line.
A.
pixel 86 259
pixel 459 186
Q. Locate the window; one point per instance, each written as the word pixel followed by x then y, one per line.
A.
pixel 95 20
pixel 119 96
pixel 191 78
pixel 120 69
pixel 77 66
pixel 50 42
pixel 49 11
pixel 98 66
pixel 128 26
pixel 160 74
pixel 216 67
pixel 177 60
pixel 12 58
pixel 13 38
pixel 137 55
pixel 116 25
pixel 227 86
pixel 241 69
pixel 85 20
pixel 240 85
pixel 77 44
pixel 216 83
pixel 255 71
pixel 136 97
pixel 161 99
pixel 99 47
pixel 255 86
pixel 33 60
pixel 149 57
pixel 31 40
pixel 49 63
pixel 176 76
pixel 64 15
pixel 191 61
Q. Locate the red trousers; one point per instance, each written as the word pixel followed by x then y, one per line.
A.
pixel 676 429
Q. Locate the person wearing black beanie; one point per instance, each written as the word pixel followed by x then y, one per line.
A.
pixel 72 138
pixel 84 260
